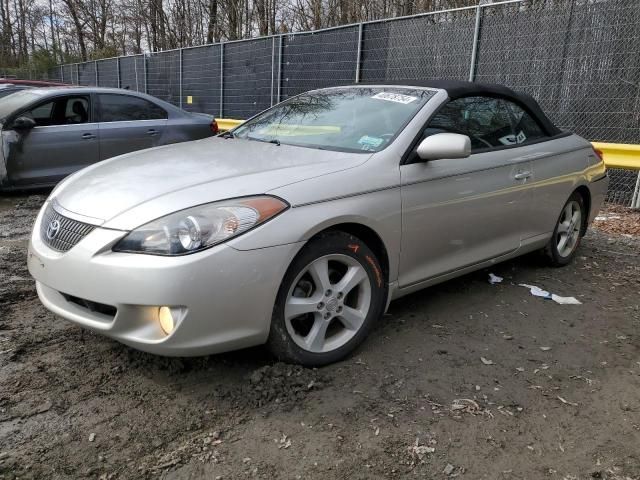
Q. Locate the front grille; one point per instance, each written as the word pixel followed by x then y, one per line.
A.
pixel 102 308
pixel 62 233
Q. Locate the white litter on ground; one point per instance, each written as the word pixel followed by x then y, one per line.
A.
pixel 565 300
pixel 539 292
pixel 493 279
pixel 420 451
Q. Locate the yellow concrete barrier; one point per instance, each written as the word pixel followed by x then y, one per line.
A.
pixel 225 124
pixel 616 155
pixel 620 155
pixel 284 130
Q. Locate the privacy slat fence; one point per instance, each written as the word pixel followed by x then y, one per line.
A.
pixel 579 58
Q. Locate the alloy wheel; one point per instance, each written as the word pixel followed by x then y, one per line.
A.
pixel 328 303
pixel 569 227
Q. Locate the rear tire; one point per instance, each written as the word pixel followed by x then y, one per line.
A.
pixel 563 245
pixel 331 296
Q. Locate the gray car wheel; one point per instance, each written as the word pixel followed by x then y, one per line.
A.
pixel 569 229
pixel 328 301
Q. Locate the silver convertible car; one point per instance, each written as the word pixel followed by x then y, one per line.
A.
pixel 297 228
pixel 48 133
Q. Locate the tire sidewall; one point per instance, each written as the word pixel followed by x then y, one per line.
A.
pixel 281 343
pixel 552 248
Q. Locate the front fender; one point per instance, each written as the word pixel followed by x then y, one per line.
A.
pixel 380 211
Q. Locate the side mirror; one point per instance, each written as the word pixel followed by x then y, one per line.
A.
pixel 23 123
pixel 444 145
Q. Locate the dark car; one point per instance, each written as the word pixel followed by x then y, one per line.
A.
pixel 49 133
pixel 31 83
pixel 8 89
pixel 9 86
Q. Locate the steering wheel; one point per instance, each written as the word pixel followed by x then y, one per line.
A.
pixel 481 140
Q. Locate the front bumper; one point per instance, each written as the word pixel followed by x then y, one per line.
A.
pixel 225 296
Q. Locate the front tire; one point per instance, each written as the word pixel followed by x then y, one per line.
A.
pixel 563 245
pixel 330 298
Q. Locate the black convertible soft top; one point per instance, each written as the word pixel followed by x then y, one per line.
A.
pixel 458 89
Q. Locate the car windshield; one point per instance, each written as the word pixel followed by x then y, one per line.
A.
pixel 8 91
pixel 356 119
pixel 16 101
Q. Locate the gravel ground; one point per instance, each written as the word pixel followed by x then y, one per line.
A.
pixel 465 379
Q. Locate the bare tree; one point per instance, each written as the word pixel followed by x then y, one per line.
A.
pixel 77 30
pixel 74 12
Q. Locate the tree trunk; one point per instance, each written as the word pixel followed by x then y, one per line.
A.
pixel 79 27
pixel 212 30
pixel 52 28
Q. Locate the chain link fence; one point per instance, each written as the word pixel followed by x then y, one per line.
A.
pixel 247 77
pixel 579 58
pixel 624 186
pixel 201 79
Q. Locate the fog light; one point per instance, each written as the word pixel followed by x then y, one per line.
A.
pixel 166 319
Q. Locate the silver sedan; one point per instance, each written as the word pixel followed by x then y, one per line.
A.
pixel 299 227
pixel 48 133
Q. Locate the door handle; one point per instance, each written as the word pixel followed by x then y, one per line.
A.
pixel 152 132
pixel 522 175
pixel 88 136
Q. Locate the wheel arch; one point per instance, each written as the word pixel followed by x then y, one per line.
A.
pixel 584 192
pixel 368 235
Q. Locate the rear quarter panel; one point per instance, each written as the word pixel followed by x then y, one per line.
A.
pixel 187 127
pixel 560 166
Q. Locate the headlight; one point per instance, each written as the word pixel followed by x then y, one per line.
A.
pixel 201 227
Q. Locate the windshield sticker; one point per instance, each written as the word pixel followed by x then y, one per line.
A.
pixel 370 143
pixel 395 97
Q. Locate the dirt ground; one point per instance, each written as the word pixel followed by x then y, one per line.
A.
pixel 465 379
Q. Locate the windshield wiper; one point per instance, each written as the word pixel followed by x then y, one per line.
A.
pixel 227 134
pixel 275 141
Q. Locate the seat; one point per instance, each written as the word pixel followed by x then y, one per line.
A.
pixel 80 114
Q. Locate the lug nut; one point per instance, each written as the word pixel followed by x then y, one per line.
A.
pixel 339 296
pixel 328 293
pixel 320 306
pixel 327 316
pixel 339 309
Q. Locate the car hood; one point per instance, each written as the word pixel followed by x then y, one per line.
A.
pixel 132 189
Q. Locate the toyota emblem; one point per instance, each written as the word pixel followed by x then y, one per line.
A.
pixel 53 229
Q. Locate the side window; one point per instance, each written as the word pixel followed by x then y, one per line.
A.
pixel 61 111
pixel 487 121
pixel 526 128
pixel 42 114
pixel 126 108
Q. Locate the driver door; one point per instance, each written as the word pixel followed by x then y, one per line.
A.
pixel 63 141
pixel 460 212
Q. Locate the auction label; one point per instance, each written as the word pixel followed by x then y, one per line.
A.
pixel 395 97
